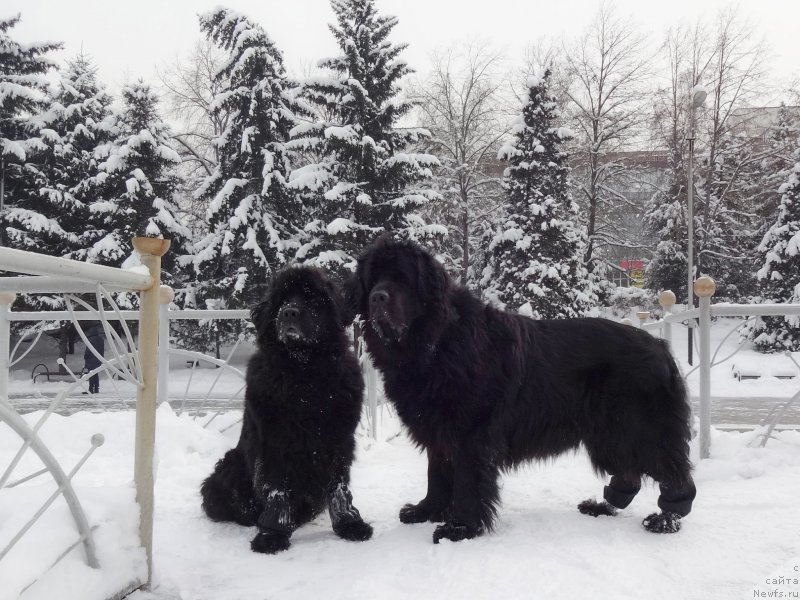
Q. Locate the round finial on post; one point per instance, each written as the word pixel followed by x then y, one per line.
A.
pixel 165 294
pixel 149 245
pixel 7 298
pixel 704 287
pixel 667 299
pixel 627 322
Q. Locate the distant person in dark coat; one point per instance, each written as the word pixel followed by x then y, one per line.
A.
pixel 95 337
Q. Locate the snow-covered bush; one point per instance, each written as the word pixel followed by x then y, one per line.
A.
pixel 624 302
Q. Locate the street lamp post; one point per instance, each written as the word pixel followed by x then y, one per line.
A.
pixel 2 199
pixel 698 98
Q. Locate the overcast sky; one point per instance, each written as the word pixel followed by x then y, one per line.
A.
pixel 130 39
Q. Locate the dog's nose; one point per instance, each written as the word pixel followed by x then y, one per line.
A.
pixel 290 312
pixel 378 298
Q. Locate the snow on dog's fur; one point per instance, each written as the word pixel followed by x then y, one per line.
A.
pixel 302 406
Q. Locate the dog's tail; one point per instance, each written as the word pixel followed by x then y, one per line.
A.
pixel 228 492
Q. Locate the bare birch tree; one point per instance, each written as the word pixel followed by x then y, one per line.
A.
pixel 735 78
pixel 189 87
pixel 463 108
pixel 608 73
pixel 686 58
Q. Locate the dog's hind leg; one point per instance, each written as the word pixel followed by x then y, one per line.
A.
pixel 228 492
pixel 675 503
pixel 618 494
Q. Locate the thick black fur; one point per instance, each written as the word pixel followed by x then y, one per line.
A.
pixel 483 390
pixel 302 405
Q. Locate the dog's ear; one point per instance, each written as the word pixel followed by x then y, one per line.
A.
pixel 432 278
pixel 260 316
pixel 353 296
pixel 343 313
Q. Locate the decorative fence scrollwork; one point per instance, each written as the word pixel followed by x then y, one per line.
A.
pixel 52 275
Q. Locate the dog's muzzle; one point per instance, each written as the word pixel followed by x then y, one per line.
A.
pixel 388 332
pixel 290 333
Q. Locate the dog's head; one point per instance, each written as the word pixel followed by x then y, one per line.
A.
pixel 396 284
pixel 303 309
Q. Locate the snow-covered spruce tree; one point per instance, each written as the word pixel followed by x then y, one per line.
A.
pixel 364 182
pixel 779 276
pixel 536 265
pixel 135 187
pixel 53 218
pixel 726 220
pixel 22 93
pixel 253 217
pixel 772 171
pixel 665 221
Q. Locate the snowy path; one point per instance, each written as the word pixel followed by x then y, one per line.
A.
pixel 743 530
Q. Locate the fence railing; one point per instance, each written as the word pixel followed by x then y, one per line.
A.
pixel 166 388
pixel 700 318
pixel 52 275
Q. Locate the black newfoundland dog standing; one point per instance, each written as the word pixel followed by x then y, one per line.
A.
pixel 302 405
pixel 483 390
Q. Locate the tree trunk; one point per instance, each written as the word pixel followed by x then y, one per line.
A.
pixel 465 245
pixel 592 206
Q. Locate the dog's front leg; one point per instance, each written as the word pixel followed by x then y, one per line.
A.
pixel 435 506
pixel 475 495
pixel 275 523
pixel 345 518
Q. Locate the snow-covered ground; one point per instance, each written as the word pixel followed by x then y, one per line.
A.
pixel 742 533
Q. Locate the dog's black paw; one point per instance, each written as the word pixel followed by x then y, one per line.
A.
pixel 665 522
pixel 414 513
pixel 455 532
pixel 420 513
pixel 355 531
pixel 270 542
pixel 593 508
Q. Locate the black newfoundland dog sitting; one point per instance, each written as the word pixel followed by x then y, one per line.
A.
pixel 483 390
pixel 302 405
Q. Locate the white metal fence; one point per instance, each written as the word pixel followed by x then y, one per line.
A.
pixel 52 275
pixel 700 318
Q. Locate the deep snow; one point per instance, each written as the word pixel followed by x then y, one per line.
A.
pixel 742 532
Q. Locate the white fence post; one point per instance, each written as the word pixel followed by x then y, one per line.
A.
pixel 667 300
pixel 704 288
pixel 166 296
pixel 6 300
pixel 642 315
pixel 150 251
